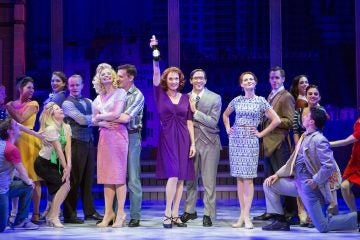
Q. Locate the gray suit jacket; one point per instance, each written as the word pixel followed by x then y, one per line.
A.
pixel 206 119
pixel 319 161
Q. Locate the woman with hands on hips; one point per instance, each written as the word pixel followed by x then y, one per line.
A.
pixel 244 141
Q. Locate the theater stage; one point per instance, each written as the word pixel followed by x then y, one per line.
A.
pixel 151 227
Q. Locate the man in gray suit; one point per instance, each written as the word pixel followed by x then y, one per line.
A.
pixel 311 164
pixel 206 106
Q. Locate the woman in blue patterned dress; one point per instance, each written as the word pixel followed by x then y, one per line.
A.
pixel 244 141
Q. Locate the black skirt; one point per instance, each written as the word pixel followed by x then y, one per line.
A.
pixel 50 173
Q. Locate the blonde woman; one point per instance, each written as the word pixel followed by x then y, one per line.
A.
pixel 54 161
pixel 113 143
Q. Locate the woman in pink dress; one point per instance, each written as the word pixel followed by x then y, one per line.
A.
pixel 113 143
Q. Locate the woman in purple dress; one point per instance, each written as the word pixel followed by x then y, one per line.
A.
pixel 177 144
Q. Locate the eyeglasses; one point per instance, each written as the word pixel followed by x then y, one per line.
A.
pixel 199 78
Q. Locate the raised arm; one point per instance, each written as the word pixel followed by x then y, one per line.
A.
pixel 156 66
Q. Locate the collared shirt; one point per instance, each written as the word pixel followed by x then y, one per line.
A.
pixel 274 92
pixel 71 111
pixel 134 107
pixel 194 95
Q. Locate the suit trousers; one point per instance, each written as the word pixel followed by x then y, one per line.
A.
pixel 206 161
pixel 82 175
pixel 313 202
pixel 274 163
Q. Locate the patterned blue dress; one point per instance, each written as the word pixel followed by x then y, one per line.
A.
pixel 244 146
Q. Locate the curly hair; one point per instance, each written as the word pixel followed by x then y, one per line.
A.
pixel 47 116
pixel 165 74
pixel 98 86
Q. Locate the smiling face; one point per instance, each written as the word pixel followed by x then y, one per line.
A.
pixel 105 76
pixel 58 113
pixel 125 80
pixel 302 85
pixel 27 91
pixel 172 81
pixel 198 81
pixel 247 81
pixel 313 96
pixel 57 84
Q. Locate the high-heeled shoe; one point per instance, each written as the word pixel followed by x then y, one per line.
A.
pixel 106 221
pixel 54 222
pixel 120 221
pixel 239 223
pixel 177 222
pixel 248 223
pixel 167 225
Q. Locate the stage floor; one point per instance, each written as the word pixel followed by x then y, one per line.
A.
pixel 151 227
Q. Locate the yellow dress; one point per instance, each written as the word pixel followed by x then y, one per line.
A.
pixel 29 146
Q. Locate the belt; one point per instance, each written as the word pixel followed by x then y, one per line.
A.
pixel 134 131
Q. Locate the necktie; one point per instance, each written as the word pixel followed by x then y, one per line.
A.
pixel 197 101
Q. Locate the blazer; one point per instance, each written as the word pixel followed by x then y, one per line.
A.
pixel 207 117
pixel 319 161
pixel 283 104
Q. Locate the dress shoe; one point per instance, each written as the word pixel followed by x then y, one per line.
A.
pixel 106 221
pixel 120 221
pixel 54 222
pixel 293 220
pixel 177 222
pixel 207 221
pixel 277 225
pixel 94 216
pixel 134 223
pixel 73 220
pixel 167 225
pixel 264 217
pixel 188 216
pixel 239 223
pixel 248 223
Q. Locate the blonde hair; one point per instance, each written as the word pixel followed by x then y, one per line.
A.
pixel 47 116
pixel 98 86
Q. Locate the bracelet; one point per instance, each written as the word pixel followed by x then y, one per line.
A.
pixel 192 145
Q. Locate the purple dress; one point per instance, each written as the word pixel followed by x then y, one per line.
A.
pixel 174 144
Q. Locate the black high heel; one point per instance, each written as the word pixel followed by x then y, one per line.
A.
pixel 167 225
pixel 178 224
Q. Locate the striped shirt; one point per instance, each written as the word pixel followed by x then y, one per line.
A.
pixel 134 108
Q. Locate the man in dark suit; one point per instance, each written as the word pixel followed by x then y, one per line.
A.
pixel 276 145
pixel 206 106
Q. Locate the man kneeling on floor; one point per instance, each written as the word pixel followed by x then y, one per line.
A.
pixel 306 175
pixel 10 187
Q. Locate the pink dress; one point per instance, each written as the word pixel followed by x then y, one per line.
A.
pixel 113 144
